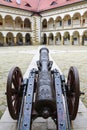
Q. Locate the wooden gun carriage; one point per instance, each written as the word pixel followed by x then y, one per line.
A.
pixel 45 93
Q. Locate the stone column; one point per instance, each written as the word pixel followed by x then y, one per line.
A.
pixel 62 40
pixel 15 41
pixel 5 44
pixel 71 40
pixel 62 23
pixel 81 40
pixel 23 24
pixel 81 23
pixel 23 40
pixel 14 24
pixel 3 23
pixel 71 22
pixel 54 25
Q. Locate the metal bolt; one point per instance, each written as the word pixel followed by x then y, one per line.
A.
pixel 61 124
pixel 25 124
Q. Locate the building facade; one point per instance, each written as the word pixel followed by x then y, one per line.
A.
pixel 57 25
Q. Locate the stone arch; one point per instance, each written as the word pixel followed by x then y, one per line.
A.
pixel 1 21
pixel 10 39
pixel 19 38
pixel 84 41
pixel 18 22
pixel 44 23
pixel 58 22
pixel 67 20
pixel 58 38
pixel 1 39
pixel 76 19
pixel 8 21
pixel 28 39
pixel 76 14
pixel 51 39
pixel 66 38
pixel 27 23
pixel 76 38
pixel 51 23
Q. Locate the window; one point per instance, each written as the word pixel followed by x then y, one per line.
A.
pixel 53 3
pixel 28 5
pixel 69 21
pixel 75 38
pixel 60 23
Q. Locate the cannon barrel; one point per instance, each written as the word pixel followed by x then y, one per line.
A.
pixel 45 98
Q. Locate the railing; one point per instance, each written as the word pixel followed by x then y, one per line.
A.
pixel 15 28
pixel 66 42
pixel 9 28
pixel 58 42
pixel 76 23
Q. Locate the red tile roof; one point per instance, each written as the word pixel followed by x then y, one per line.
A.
pixel 38 5
pixel 46 4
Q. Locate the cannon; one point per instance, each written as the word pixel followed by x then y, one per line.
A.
pixel 45 93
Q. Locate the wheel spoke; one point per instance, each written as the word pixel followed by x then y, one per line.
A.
pixel 13 91
pixel 14 82
pixel 13 99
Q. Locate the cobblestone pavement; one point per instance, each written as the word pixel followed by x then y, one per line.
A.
pixel 65 56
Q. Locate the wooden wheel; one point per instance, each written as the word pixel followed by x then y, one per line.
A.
pixel 73 92
pixel 14 93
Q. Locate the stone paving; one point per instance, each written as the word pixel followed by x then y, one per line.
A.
pixel 6 123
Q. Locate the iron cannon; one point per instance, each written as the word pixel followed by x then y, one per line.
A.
pixel 45 93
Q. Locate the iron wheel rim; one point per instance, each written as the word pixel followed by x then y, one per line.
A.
pixel 74 91
pixel 14 83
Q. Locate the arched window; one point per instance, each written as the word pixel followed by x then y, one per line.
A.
pixel 44 23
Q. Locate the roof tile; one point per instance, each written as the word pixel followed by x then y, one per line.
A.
pixel 37 5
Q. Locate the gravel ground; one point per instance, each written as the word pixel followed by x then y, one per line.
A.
pixel 65 56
